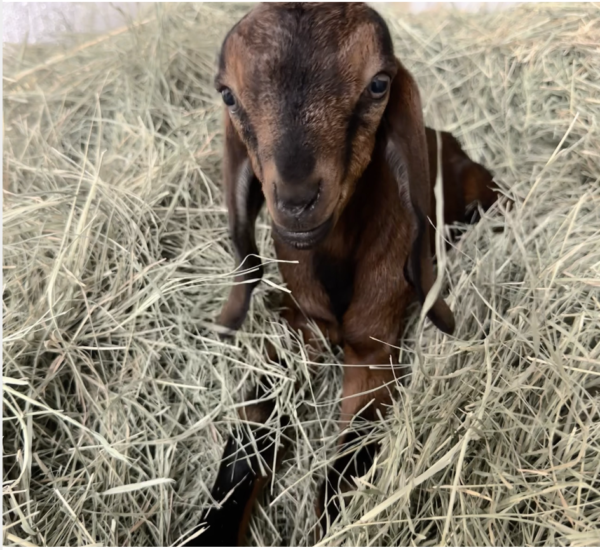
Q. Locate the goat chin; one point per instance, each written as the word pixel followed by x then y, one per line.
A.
pixel 304 240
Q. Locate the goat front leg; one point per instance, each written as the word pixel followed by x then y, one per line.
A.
pixel 373 322
pixel 249 458
pixel 240 478
pixel 369 385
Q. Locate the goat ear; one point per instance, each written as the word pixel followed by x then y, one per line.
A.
pixel 407 156
pixel 244 198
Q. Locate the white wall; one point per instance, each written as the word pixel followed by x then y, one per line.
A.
pixel 41 21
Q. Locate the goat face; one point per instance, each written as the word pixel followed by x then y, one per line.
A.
pixel 305 88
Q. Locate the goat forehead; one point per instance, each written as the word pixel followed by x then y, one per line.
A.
pixel 301 66
pixel 301 81
pixel 306 46
pixel 328 23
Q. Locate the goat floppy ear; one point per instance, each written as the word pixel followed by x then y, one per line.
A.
pixel 244 198
pixel 407 156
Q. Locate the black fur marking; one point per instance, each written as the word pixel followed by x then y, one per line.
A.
pixel 439 322
pixel 383 33
pixel 355 122
pixel 414 270
pixel 353 125
pixel 414 273
pixel 304 74
pixel 294 158
pixel 339 477
pixel 242 236
pixel 248 132
pixel 337 278
pixel 238 473
pixel 472 214
pixel 222 65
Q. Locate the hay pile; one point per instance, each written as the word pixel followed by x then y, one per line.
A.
pixel 117 394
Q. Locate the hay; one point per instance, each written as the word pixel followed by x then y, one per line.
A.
pixel 118 396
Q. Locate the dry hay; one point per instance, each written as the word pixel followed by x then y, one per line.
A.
pixel 117 393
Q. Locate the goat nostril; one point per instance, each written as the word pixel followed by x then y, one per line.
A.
pixel 298 201
pixel 312 202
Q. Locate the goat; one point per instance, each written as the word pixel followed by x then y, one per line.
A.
pixel 325 124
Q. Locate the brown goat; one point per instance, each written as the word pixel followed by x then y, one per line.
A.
pixel 323 122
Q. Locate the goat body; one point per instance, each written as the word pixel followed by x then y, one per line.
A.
pixel 349 189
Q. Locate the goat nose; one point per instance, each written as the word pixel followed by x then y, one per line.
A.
pixel 295 200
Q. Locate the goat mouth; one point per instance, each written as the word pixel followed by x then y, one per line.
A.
pixel 304 240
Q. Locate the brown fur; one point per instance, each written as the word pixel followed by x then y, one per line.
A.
pixel 303 114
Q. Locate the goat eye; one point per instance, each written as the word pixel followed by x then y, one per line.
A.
pixel 228 98
pixel 379 85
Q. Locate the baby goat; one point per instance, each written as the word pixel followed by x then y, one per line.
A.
pixel 325 124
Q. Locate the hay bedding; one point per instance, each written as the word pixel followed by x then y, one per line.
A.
pixel 118 396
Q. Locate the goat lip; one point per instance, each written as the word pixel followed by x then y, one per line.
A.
pixel 303 240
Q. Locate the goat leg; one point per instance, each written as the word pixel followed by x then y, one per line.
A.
pixel 356 458
pixel 248 462
pixel 366 392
